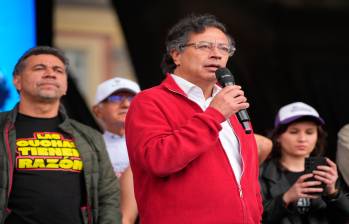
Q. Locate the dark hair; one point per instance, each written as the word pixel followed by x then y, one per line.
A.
pixel 178 36
pixel 20 65
pixel 319 146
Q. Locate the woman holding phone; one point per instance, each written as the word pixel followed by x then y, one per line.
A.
pixel 290 194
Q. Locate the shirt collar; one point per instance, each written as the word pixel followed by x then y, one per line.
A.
pixel 112 135
pixel 190 88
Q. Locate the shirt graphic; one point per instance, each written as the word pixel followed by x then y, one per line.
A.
pixel 48 151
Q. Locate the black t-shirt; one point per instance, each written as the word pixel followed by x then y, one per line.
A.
pixel 292 177
pixel 302 205
pixel 47 182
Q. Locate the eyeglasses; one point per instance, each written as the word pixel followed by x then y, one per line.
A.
pixel 224 49
pixel 118 99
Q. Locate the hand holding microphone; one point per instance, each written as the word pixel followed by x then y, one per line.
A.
pixel 231 99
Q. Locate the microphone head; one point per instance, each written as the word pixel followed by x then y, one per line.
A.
pixel 224 77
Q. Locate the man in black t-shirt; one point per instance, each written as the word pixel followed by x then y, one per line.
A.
pixel 52 168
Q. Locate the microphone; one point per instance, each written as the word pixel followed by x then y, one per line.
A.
pixel 225 78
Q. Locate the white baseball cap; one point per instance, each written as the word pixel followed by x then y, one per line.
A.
pixel 110 86
pixel 295 111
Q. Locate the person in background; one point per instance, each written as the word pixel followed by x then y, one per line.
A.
pixel 191 159
pixel 289 194
pixel 342 157
pixel 53 169
pixel 113 98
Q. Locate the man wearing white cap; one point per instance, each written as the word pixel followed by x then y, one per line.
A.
pixel 113 99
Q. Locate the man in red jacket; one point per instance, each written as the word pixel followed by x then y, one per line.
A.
pixel 191 159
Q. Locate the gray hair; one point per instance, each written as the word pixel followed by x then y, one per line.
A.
pixel 21 63
pixel 178 36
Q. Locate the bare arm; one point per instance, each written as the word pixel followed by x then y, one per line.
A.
pixel 264 146
pixel 128 205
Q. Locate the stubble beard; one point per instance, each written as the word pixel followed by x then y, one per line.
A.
pixel 49 95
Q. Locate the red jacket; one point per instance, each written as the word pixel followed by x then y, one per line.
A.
pixel 181 172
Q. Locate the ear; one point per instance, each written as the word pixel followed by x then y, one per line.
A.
pixel 176 57
pixel 17 81
pixel 96 110
pixel 278 140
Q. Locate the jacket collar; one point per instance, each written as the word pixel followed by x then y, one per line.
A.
pixel 169 83
pixel 271 171
pixel 12 114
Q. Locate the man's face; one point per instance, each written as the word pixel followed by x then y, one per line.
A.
pixel 197 65
pixel 112 111
pixel 43 78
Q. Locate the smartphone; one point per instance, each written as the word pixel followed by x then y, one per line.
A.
pixel 311 163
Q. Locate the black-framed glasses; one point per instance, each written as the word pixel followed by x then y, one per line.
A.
pixel 118 99
pixel 224 49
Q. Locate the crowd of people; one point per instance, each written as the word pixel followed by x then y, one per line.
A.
pixel 174 153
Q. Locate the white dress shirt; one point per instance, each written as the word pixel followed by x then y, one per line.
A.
pixel 116 147
pixel 227 136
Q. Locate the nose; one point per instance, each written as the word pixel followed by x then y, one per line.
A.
pixel 214 53
pixel 302 137
pixel 49 73
pixel 125 102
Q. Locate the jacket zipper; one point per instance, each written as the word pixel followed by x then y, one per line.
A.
pixel 9 154
pixel 88 207
pixel 241 194
pixel 89 213
pixel 242 160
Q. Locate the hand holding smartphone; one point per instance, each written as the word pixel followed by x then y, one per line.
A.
pixel 310 165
